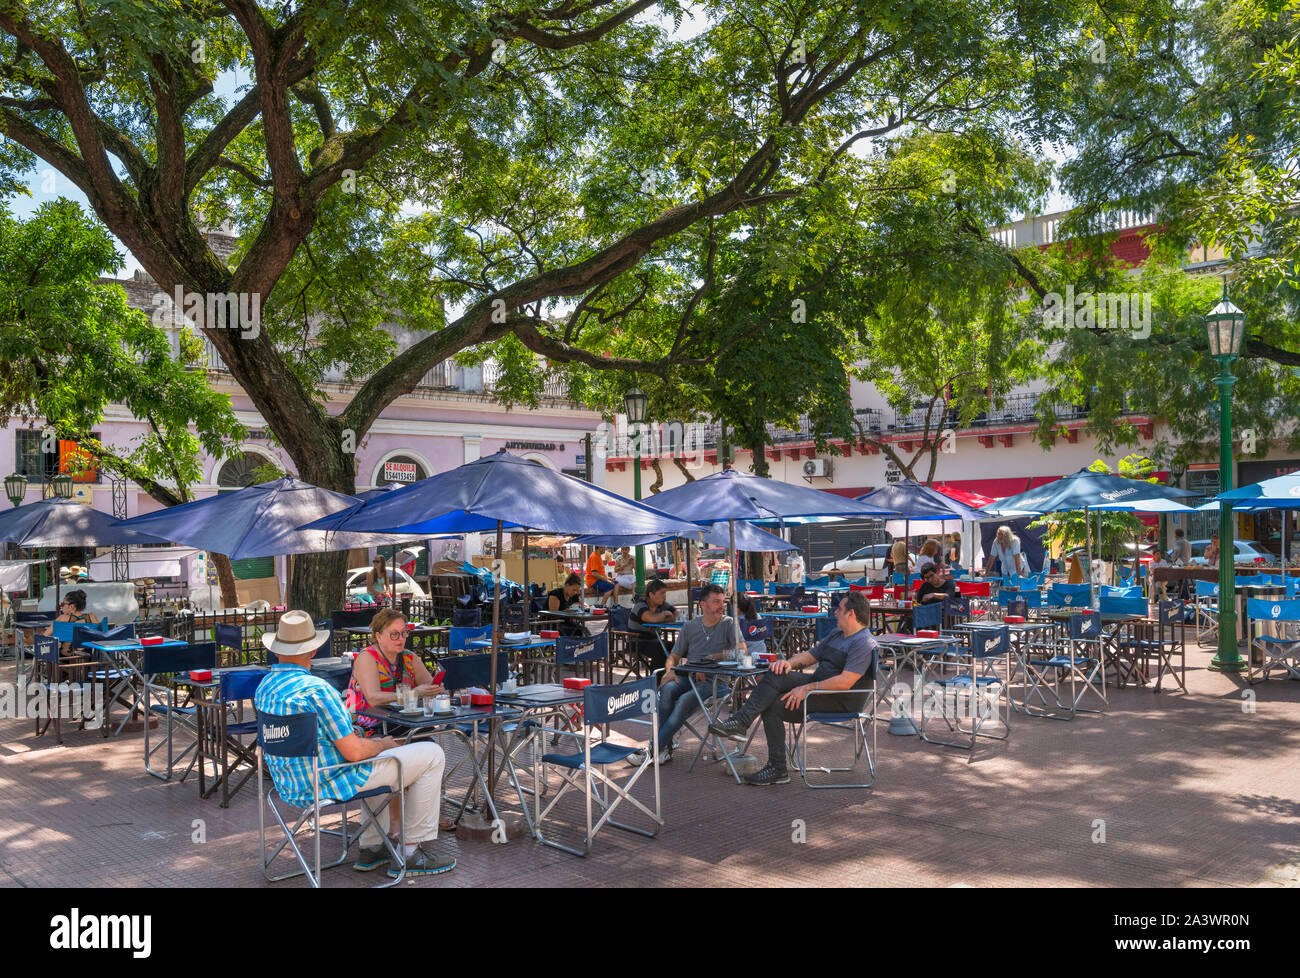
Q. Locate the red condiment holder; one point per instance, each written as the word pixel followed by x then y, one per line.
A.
pixel 480 699
pixel 1014 619
pixel 927 633
pixel 549 634
pixel 152 640
pixel 576 682
pixel 810 607
pixel 599 611
pixel 201 675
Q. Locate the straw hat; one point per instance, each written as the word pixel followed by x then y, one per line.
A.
pixel 296 634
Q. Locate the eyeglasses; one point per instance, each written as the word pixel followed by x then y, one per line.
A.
pixel 396 634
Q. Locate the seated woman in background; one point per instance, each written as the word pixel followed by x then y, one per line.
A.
pixel 72 607
pixel 377 580
pixel 624 573
pixel 567 596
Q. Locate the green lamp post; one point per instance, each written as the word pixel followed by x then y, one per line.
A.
pixel 16 488
pixel 634 403
pixel 62 485
pixel 1226 326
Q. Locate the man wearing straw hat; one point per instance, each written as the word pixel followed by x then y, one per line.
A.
pixel 291 688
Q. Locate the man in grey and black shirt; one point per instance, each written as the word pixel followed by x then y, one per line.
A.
pixel 708 636
pixel 845 660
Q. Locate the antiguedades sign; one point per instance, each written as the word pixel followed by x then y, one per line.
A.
pixel 532 446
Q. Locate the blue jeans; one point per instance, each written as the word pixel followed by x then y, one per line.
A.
pixel 677 704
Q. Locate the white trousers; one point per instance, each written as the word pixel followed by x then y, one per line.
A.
pixel 422 765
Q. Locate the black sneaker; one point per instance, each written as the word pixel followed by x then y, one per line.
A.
pixel 768 775
pixel 732 727
pixel 422 863
pixel 371 859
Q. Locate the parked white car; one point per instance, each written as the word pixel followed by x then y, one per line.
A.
pixel 405 582
pixel 1248 552
pixel 868 562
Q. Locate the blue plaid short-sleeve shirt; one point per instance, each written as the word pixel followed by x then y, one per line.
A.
pixel 292 689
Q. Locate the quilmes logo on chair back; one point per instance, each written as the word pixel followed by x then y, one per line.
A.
pixel 1275 610
pixel 987 641
pixel 287 736
pixel 579 649
pixel 609 704
pixel 1085 626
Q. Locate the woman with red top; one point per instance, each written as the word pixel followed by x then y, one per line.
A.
pixel 384 666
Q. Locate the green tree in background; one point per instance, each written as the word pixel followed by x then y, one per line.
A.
pixel 70 346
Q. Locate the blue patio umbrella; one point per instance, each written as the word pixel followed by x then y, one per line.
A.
pixel 65 523
pixel 1083 490
pixel 262 520
pixel 1280 492
pixel 730 496
pixel 501 491
pixel 913 501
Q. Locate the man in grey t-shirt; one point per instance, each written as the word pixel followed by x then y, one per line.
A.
pixel 707 636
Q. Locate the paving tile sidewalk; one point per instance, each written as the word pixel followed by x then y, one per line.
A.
pixel 1190 790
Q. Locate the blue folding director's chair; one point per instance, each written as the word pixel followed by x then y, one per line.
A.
pixel 294 738
pixel 589 769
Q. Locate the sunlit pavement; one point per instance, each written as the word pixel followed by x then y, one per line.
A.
pixel 1185 789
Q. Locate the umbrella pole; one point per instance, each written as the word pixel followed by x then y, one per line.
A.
pixel 492 670
pixel 528 594
pixel 690 607
pixel 1087 533
pixel 735 609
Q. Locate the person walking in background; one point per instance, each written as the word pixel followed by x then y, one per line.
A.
pixel 899 561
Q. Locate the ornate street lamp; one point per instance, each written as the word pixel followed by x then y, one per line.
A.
pixel 1225 325
pixel 16 488
pixel 62 484
pixel 634 404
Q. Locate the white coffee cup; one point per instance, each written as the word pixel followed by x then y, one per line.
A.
pixel 442 704
pixel 747 662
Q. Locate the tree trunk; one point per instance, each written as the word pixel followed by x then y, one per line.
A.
pixel 316 585
pixel 759 465
pixel 317 580
pixel 225 578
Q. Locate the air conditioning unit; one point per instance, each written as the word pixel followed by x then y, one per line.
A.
pixel 816 468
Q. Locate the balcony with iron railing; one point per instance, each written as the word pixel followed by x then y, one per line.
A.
pixel 1011 410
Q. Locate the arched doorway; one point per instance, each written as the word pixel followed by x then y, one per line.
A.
pixel 240 470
